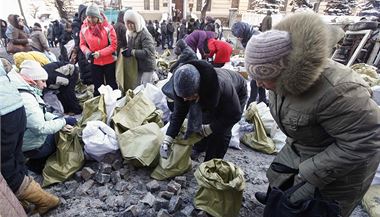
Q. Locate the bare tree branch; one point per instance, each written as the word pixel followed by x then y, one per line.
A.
pixel 205 6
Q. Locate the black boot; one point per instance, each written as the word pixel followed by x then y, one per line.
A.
pixel 261 197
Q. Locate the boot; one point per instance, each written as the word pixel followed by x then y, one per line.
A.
pixel 261 197
pixel 32 192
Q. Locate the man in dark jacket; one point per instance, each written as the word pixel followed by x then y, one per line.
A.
pixel 218 95
pixel 120 30
pixel 266 24
pixel 244 31
pixel 182 30
pixel 170 32
pixel 157 37
pixel 151 29
pixel 164 34
pixel 78 56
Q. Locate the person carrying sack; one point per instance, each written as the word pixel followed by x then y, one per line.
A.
pixel 98 42
pixel 325 109
pixel 213 100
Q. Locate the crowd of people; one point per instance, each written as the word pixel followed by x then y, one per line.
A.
pixel 324 108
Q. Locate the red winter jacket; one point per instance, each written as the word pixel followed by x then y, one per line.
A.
pixel 106 46
pixel 221 49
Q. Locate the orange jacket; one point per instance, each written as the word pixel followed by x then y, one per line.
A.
pixel 221 49
pixel 106 46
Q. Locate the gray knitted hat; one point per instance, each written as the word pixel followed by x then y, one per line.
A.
pixel 264 53
pixel 93 11
pixel 186 80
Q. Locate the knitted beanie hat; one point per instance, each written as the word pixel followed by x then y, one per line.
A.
pixel 33 70
pixel 264 53
pixel 93 11
pixel 186 80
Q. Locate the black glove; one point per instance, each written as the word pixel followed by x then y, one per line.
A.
pixel 127 53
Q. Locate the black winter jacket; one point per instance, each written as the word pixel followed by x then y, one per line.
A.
pixel 222 93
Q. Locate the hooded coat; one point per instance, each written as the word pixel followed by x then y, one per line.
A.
pixel 244 31
pixel 39 123
pixel 19 38
pixel 141 43
pixel 326 111
pixel 198 40
pixel 222 93
pixel 39 41
pixel 106 45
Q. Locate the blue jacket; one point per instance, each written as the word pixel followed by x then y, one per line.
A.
pixel 10 98
pixel 244 31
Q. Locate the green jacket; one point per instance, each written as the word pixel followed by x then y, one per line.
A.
pixel 326 111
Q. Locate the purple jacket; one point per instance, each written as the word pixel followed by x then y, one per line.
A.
pixel 198 39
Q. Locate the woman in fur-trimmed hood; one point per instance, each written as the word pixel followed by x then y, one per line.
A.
pixel 324 108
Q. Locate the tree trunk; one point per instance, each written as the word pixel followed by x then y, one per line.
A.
pixel 206 4
pixel 22 12
pixel 60 5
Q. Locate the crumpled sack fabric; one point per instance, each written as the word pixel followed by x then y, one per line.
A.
pixel 221 186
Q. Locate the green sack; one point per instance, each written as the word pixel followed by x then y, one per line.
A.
pixel 371 201
pixel 133 114
pixel 221 186
pixel 93 110
pixel 179 161
pixel 258 140
pixel 141 145
pixel 68 158
pixel 126 73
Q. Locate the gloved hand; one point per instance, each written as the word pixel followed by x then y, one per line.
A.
pixel 165 148
pixel 127 53
pixel 206 130
pixel 71 121
pixel 306 191
pixel 89 57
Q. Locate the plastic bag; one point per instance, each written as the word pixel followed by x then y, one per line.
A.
pixel 179 161
pixel 371 201
pixel 110 98
pixel 141 145
pixel 235 138
pixel 159 99
pixel 221 186
pixel 99 139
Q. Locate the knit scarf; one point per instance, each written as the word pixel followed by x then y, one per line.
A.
pixel 96 29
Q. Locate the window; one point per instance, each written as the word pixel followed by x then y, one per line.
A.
pixel 199 5
pixel 156 5
pixel 252 4
pixel 146 4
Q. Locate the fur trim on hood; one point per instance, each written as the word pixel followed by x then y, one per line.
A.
pixel 135 18
pixel 308 58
